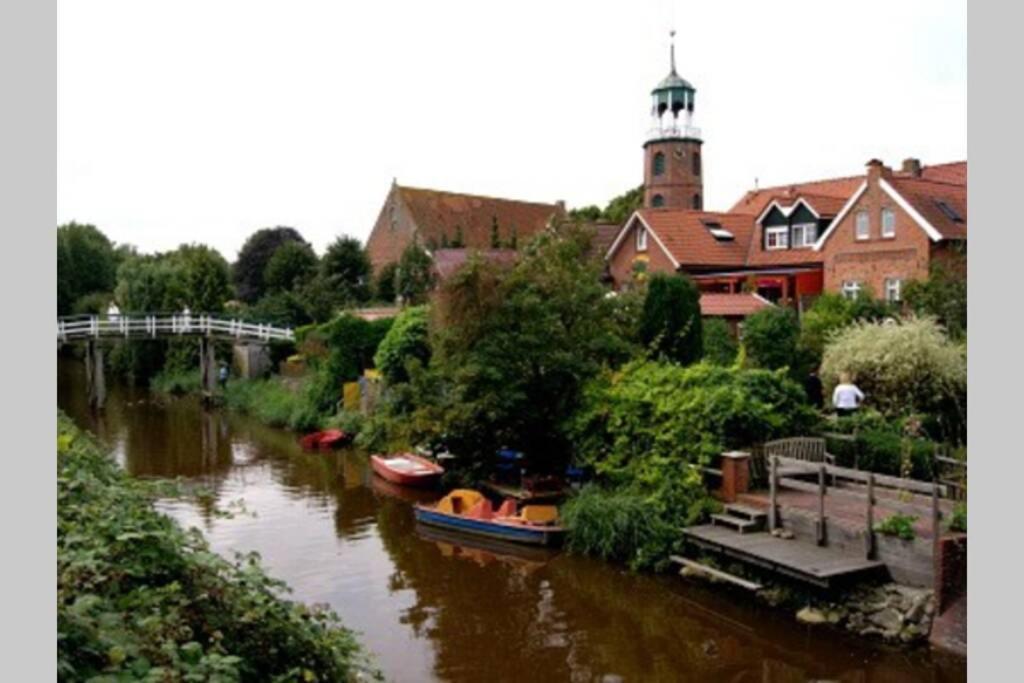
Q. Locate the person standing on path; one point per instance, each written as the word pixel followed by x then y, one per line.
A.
pixel 847 396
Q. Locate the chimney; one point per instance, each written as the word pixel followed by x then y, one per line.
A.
pixel 560 203
pixel 876 170
pixel 912 167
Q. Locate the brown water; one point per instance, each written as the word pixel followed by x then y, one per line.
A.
pixel 433 609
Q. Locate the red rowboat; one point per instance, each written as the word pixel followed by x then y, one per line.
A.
pixel 327 439
pixel 406 469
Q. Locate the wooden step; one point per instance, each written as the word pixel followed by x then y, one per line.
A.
pixel 738 523
pixel 746 512
pixel 717 573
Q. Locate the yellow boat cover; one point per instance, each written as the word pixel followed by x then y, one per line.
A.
pixel 539 514
pixel 459 501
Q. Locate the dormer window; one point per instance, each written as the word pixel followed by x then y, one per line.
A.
pixel 641 239
pixel 804 234
pixel 776 237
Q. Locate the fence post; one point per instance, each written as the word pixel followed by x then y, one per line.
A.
pixel 935 518
pixel 773 485
pixel 821 504
pixel 869 533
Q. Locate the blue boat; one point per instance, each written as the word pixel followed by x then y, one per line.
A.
pixel 469 512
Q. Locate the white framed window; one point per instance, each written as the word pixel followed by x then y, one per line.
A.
pixel 893 289
pixel 888 223
pixel 641 239
pixel 776 237
pixel 851 289
pixel 863 226
pixel 804 234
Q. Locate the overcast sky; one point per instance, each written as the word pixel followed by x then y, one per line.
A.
pixel 203 121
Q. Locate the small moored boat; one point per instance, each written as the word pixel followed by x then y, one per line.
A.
pixel 406 469
pixel 468 511
pixel 324 440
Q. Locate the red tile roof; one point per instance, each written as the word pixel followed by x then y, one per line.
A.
pixel 954 172
pixel 439 215
pixel 742 304
pixel 924 196
pixel 686 236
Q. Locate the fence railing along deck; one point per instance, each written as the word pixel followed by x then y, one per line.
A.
pixel 72 328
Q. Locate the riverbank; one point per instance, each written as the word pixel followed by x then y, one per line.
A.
pixel 139 596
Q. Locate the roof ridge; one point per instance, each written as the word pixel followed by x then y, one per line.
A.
pixel 552 205
pixel 929 180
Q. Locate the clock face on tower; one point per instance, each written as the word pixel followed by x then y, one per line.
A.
pixel 678 152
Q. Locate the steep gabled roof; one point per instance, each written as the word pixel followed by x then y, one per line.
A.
pixel 755 201
pixel 686 235
pixel 939 204
pixel 954 172
pixel 439 215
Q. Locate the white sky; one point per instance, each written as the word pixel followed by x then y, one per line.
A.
pixel 204 121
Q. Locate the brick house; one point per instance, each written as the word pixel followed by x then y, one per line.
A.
pixel 893 227
pixel 443 220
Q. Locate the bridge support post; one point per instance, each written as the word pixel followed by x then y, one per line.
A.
pixel 207 366
pixel 94 378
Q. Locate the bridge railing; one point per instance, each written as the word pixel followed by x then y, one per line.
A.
pixel 70 328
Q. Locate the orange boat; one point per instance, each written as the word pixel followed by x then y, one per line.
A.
pixel 467 511
pixel 406 469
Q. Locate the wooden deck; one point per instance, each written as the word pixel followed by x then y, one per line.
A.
pixel 821 566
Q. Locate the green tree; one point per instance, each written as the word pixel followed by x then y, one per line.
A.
pixel 86 263
pixel 770 338
pixel 670 324
pixel 203 278
pixel 415 275
pixel 384 288
pixel 291 267
pixel 942 295
pixel 720 346
pixel 586 213
pixel 248 271
pixel 346 267
pixel 405 341
pixel 622 207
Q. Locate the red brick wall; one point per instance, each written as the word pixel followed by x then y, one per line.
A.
pixel 621 263
pixel 871 261
pixel 389 239
pixel 678 183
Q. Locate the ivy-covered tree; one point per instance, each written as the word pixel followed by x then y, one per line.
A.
pixel 415 276
pixel 670 323
pixel 346 267
pixel 248 271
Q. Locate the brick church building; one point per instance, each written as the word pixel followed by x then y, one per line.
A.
pixel 783 245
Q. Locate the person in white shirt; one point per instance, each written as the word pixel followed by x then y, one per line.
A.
pixel 846 397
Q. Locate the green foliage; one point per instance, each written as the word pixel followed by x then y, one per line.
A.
pixel 276 403
pixel 176 382
pixel 415 275
pixel 617 525
pixel 590 213
pixel 284 308
pixel 346 269
pixel 907 367
pixel 720 346
pixel 958 522
pixel 943 295
pixel 616 211
pixel 898 525
pixel 407 339
pixel 291 267
pixel 385 288
pixel 92 304
pixel 670 324
pixel 202 278
pixel 829 313
pixel 86 263
pixel 770 337
pixel 138 598
pixel 351 343
pixel 248 271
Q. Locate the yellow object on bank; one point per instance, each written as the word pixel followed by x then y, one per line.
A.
pixel 350 395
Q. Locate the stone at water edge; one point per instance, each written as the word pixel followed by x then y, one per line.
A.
pixel 888 619
pixel 809 615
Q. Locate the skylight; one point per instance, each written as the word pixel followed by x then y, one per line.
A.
pixel 717 231
pixel 950 212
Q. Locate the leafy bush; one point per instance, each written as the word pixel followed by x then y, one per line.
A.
pixel 898 525
pixel 95 303
pixel 384 289
pixel 291 266
pixel 617 525
pixel 904 368
pixel 346 268
pixel 176 382
pixel 275 403
pixel 959 520
pixel 943 295
pixel 140 598
pixel 670 324
pixel 407 339
pixel 248 271
pixel 770 337
pixel 720 346
pixel 884 452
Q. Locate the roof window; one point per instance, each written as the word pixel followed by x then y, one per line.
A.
pixel 950 212
pixel 718 232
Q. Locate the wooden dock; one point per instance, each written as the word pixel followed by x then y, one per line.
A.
pixel 817 565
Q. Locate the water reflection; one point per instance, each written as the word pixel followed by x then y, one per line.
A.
pixel 434 606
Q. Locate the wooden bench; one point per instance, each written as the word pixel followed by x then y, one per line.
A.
pixel 809 449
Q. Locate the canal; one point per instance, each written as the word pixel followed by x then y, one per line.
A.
pixel 434 608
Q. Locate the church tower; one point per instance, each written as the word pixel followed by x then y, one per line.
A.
pixel 672 163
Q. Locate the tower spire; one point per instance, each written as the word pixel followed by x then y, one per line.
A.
pixel 672 49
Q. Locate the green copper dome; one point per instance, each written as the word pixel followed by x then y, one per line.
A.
pixel 673 80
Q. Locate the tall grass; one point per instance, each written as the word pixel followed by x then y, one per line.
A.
pixel 176 382
pixel 275 403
